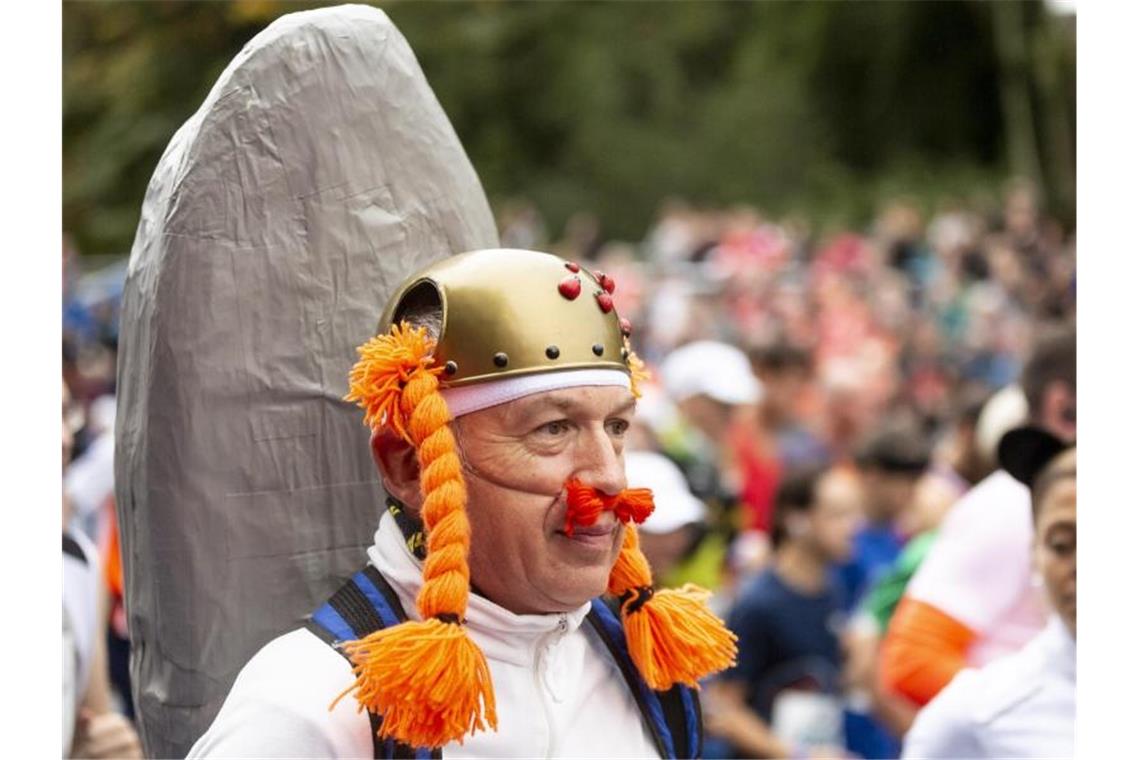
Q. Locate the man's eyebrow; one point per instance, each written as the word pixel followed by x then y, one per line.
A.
pixel 566 404
pixel 533 405
pixel 625 406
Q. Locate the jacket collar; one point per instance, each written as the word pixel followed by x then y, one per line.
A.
pixel 500 633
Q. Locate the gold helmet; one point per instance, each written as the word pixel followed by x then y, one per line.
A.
pixel 506 313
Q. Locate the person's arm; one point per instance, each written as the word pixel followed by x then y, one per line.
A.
pixel 974 572
pixel 253 727
pixel 100 732
pixel 279 706
pixel 923 650
pixel 97 698
pixel 859 646
pixel 895 712
pixel 729 716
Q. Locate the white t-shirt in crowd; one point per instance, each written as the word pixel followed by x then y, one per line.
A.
pixel 1021 706
pixel 80 623
pixel 978 570
pixel 558 692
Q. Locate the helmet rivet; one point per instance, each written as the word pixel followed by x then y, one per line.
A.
pixel 552 352
pixel 599 349
pixel 570 287
pixel 500 359
pixel 605 302
pixel 451 368
pixel 572 266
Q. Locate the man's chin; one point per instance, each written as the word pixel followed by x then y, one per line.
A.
pixel 574 584
pixel 570 599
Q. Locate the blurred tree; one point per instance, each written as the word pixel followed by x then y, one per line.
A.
pixel 611 107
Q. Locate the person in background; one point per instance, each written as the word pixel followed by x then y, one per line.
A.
pixel 787 373
pixel 782 699
pixel 971 601
pixel 890 463
pixel 677 523
pixel 957 463
pixel 710 384
pixel 91 727
pixel 1023 705
pixel 971 457
pixel 876 720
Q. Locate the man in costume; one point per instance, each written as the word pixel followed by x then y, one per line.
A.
pixel 317 175
pixel 506 608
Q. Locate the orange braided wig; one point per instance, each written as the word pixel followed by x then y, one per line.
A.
pixel 427 678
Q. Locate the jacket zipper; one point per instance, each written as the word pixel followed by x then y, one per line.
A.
pixel 547 643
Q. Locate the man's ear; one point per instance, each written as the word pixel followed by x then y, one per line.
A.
pixel 399 467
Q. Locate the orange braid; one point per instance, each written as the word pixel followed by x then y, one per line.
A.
pixel 427 678
pixel 672 635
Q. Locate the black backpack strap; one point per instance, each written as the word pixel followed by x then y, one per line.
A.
pixel 673 716
pixel 364 604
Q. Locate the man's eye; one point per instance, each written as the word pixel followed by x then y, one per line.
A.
pixel 618 427
pixel 1061 541
pixel 557 427
pixel 1062 548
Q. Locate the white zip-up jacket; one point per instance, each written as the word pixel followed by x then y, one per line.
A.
pixel 558 692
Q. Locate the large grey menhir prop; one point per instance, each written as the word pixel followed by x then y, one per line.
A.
pixel 319 172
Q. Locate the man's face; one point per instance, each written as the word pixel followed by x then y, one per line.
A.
pixel 835 516
pixel 889 494
pixel 516 458
pixel 708 415
pixel 1055 548
pixel 782 391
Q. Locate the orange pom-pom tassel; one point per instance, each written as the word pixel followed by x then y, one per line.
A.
pixel 672 635
pixel 386 364
pixel 419 677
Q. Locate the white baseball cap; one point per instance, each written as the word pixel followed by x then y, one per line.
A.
pixel 711 368
pixel 1005 410
pixel 675 505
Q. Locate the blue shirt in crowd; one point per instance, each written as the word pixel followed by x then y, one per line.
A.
pixel 876 548
pixel 787 639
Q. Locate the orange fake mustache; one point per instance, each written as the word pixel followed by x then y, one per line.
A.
pixel 585 504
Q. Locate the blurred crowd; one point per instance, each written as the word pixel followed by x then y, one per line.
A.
pixel 822 406
pixel 97 708
pixel 822 422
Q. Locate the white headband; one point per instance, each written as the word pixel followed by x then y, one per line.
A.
pixel 471 398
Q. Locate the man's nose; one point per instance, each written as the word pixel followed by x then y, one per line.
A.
pixel 599 463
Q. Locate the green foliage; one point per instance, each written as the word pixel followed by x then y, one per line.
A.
pixel 822 108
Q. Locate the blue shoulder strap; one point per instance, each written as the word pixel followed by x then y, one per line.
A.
pixel 363 605
pixel 674 715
